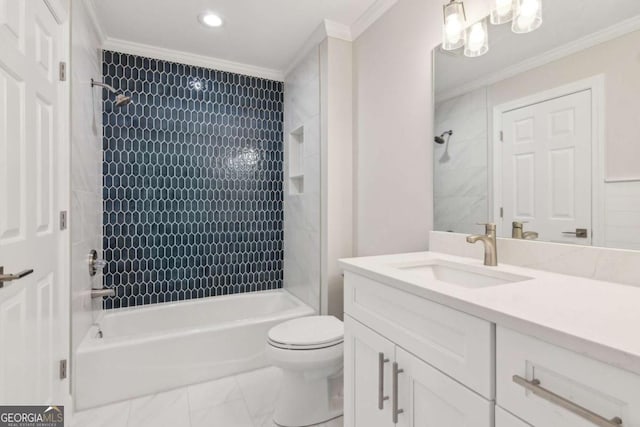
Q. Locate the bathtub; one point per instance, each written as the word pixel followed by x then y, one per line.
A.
pixel 146 350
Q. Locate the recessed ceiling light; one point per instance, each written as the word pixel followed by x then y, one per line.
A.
pixel 210 19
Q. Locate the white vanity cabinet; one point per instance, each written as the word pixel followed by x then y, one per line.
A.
pixel 546 385
pixel 505 419
pixel 403 373
pixel 386 385
pixel 412 362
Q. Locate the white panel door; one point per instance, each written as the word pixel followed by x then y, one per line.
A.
pixel 367 376
pixel 428 398
pixel 32 335
pixel 546 168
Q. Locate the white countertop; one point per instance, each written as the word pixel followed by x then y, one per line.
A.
pixel 598 319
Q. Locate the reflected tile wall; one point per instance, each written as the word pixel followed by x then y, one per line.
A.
pixel 192 174
pixel 460 179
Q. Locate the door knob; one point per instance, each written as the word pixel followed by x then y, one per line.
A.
pixel 12 277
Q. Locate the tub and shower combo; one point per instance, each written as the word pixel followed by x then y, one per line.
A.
pixel 136 351
pixel 194 187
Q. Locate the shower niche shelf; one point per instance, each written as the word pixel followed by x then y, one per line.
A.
pixel 296 161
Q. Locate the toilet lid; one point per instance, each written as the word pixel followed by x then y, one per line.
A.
pixel 308 332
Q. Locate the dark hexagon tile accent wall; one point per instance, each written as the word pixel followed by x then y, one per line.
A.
pixel 192 178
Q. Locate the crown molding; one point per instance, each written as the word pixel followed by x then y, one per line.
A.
pixel 337 30
pixel 191 59
pixel 371 15
pixel 591 40
pixel 325 29
pixel 93 15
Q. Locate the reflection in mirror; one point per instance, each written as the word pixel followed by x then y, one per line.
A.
pixel 542 134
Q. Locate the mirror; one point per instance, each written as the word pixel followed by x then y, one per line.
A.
pixel 544 129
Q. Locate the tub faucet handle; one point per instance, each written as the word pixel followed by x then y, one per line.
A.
pixel 95 264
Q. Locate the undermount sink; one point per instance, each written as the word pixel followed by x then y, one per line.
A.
pixel 460 274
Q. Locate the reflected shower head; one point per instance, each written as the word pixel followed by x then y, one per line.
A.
pixel 440 139
pixel 121 100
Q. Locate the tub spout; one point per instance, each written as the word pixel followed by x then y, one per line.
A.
pixel 104 292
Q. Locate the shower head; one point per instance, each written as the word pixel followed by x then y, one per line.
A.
pixel 440 139
pixel 121 100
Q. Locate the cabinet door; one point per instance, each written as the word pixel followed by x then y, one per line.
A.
pixel 428 398
pixel 546 385
pixel 367 376
pixel 505 419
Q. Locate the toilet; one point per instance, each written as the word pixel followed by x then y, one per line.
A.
pixel 309 351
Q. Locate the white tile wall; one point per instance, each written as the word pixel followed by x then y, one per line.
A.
pixel 622 215
pixel 302 212
pixel 86 166
pixel 460 183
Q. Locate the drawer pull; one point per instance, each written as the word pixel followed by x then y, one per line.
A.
pixel 394 403
pixel 534 387
pixel 381 397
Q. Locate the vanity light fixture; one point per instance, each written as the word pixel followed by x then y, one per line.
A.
pixel 455 20
pixel 527 16
pixel 501 11
pixel 477 39
pixel 210 19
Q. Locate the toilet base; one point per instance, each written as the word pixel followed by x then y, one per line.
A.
pixel 306 399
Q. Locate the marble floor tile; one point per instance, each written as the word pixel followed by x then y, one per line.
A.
pixel 267 421
pixel 115 415
pixel 230 414
pixel 336 422
pixel 213 393
pixel 245 400
pixel 168 409
pixel 264 420
pixel 260 390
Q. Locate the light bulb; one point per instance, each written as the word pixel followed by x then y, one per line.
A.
pixel 454 24
pixel 529 9
pixel 210 19
pixel 453 28
pixel 528 16
pixel 503 7
pixel 477 40
pixel 476 37
pixel 525 20
pixel 501 11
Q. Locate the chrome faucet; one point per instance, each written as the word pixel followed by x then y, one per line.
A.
pixel 104 292
pixel 517 233
pixel 490 244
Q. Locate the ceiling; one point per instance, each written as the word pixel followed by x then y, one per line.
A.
pixel 261 33
pixel 563 22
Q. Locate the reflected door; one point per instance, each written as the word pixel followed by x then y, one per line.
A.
pixel 546 168
pixel 32 335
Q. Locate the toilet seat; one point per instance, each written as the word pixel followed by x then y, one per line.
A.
pixel 307 333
